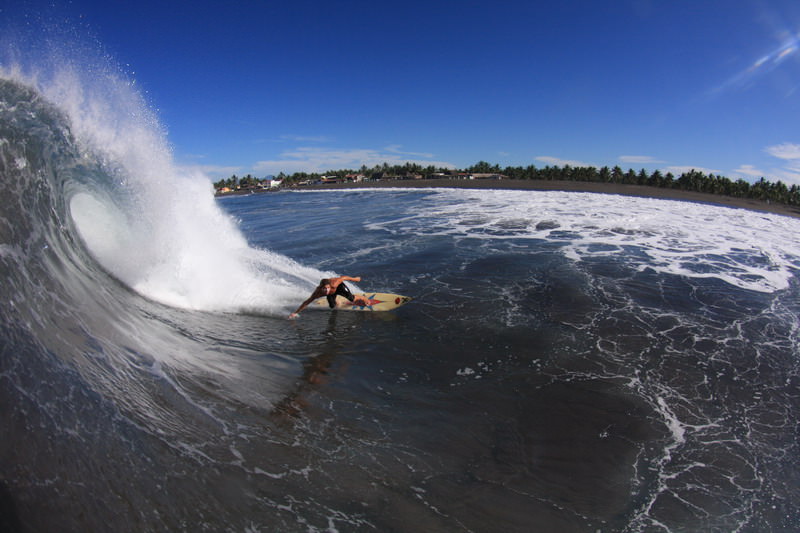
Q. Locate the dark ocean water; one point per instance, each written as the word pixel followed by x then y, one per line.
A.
pixel 570 362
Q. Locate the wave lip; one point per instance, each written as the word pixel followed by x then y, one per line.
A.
pixel 92 153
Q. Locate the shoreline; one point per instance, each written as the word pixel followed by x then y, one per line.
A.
pixel 641 191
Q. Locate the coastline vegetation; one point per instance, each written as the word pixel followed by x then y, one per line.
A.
pixel 693 181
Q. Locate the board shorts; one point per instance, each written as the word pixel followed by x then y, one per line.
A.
pixel 341 290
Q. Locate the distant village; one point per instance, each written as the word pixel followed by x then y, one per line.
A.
pixel 249 185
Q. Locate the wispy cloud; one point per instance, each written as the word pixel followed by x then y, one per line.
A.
pixel 787 151
pixel 639 160
pixel 313 159
pixel 766 63
pixel 397 149
pixel 556 161
pixel 750 171
pixel 788 175
pixel 788 171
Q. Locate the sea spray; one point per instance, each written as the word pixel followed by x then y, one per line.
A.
pixel 151 223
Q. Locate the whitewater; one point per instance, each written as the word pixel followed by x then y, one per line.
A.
pixel 570 362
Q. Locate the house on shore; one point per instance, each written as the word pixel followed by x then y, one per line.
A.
pixel 385 176
pixel 261 186
pixel 457 175
pixel 486 176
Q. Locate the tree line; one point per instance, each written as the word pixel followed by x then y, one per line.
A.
pixel 234 182
pixel 693 181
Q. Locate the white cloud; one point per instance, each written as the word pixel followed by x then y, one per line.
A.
pixel 789 176
pixel 790 154
pixel 396 149
pixel 316 160
pixel 555 161
pixel 750 171
pixel 639 159
pixel 784 151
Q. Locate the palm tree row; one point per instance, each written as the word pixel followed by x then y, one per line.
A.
pixel 693 180
pixel 688 181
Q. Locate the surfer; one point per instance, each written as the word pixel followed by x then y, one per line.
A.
pixel 330 288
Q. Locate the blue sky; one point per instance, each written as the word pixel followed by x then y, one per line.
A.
pixel 264 87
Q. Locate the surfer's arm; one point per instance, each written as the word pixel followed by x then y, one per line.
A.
pixel 302 306
pixel 314 295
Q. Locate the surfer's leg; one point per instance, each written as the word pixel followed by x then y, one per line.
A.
pixel 344 291
pixel 331 300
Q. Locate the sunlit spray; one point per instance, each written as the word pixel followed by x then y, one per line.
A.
pixel 150 223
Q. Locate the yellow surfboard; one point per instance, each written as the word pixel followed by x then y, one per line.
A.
pixel 366 301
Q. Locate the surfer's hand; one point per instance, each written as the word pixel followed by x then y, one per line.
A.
pixel 293 315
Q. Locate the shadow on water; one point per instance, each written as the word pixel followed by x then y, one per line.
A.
pixel 324 338
pixel 9 519
pixel 315 372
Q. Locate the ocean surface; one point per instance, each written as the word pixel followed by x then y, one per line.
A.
pixel 570 362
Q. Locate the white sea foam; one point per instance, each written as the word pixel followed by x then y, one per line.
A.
pixel 748 249
pixel 674 425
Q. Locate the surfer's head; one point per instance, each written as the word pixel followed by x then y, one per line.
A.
pixel 325 285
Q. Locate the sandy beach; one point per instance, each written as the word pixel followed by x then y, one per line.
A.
pixel 576 186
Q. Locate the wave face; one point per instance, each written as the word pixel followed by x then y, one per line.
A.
pixel 570 362
pixel 119 270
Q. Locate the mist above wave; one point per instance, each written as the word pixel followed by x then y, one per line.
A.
pixel 149 222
